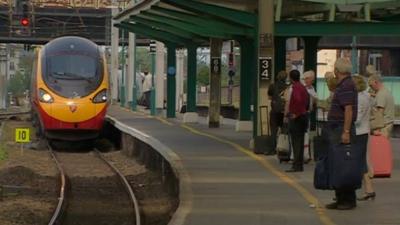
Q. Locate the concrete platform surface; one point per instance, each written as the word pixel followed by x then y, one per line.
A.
pixel 230 185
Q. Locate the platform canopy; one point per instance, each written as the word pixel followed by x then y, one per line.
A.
pixel 190 22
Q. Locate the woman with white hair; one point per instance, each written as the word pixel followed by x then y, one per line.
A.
pixel 309 77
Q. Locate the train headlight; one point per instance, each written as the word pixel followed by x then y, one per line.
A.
pixel 100 97
pixel 45 97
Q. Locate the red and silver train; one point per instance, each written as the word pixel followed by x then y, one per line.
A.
pixel 70 87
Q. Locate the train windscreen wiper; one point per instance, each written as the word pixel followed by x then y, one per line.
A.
pixel 69 76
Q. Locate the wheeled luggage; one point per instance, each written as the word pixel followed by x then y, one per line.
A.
pixel 264 143
pixel 380 156
pixel 320 144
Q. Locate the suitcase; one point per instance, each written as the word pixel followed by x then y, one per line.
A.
pixel 264 142
pixel 319 142
pixel 380 156
pixel 321 174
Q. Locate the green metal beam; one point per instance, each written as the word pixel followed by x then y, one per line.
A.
pixel 236 16
pixel 167 28
pixel 190 27
pixel 141 32
pixel 348 2
pixel 291 29
pixel 158 33
pixel 206 21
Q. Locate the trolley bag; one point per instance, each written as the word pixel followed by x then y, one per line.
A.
pixel 283 146
pixel 321 174
pixel 347 166
pixel 380 156
pixel 319 141
pixel 264 142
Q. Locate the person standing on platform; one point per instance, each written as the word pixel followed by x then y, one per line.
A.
pixel 383 106
pixel 296 115
pixel 363 129
pixel 276 95
pixel 309 78
pixel 382 117
pixel 147 88
pixel 340 126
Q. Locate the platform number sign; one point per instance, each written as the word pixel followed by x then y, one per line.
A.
pixel 22 135
pixel 265 68
pixel 216 65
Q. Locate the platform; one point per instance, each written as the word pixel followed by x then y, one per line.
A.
pixel 227 184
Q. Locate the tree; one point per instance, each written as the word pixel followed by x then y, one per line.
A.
pixel 20 82
pixel 203 74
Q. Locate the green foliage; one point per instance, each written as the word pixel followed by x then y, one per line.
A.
pixel 203 74
pixel 3 153
pixel 21 80
pixel 143 59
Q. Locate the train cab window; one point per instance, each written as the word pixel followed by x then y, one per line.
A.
pixel 72 74
pixel 72 67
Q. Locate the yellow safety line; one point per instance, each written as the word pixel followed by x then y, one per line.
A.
pixel 162 120
pixel 310 198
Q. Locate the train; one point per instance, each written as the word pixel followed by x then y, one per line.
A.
pixel 69 89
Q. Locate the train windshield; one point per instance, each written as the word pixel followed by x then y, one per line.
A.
pixel 72 67
pixel 73 74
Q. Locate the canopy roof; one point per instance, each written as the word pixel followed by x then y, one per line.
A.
pixel 190 22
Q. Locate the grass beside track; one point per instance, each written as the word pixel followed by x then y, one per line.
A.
pixel 3 153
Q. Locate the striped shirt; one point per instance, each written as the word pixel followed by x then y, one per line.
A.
pixel 345 94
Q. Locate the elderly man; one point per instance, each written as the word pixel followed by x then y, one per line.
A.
pixel 383 106
pixel 340 126
pixel 309 77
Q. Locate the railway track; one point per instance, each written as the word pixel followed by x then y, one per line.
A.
pixel 92 191
pixel 7 115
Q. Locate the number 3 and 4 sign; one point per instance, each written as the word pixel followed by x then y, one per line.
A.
pixel 22 135
pixel 265 67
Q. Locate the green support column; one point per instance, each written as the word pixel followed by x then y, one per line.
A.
pixel 171 80
pixel 122 90
pixel 153 90
pixel 247 73
pixel 280 55
pixel 310 53
pixel 214 109
pixel 354 55
pixel 310 63
pixel 134 87
pixel 191 80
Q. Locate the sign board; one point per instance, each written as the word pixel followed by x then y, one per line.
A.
pixel 265 67
pixel 153 46
pixel 171 71
pixel 22 135
pixel 216 65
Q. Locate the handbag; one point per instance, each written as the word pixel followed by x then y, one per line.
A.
pixel 347 168
pixel 282 144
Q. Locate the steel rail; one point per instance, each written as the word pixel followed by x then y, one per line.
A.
pixel 56 218
pixel 5 115
pixel 127 186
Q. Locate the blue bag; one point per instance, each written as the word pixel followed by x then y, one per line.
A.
pixel 346 167
pixel 321 174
